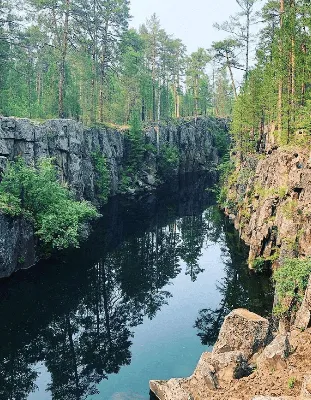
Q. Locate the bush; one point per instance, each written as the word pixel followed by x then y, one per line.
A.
pixel 291 281
pixel 102 182
pixel 168 161
pixel 37 194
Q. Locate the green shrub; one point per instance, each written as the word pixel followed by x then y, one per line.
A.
pixel 259 264
pixel 222 142
pixel 168 161
pixel 291 281
pixel 291 382
pixel 102 181
pixel 137 143
pixel 37 194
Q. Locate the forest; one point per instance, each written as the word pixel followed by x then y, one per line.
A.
pixel 80 59
pixel 276 93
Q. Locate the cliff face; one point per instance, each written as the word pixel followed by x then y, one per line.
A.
pixel 73 147
pixel 273 205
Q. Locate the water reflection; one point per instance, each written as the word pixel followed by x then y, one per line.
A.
pixel 76 315
pixel 240 288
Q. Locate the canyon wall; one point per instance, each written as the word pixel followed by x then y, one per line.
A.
pixel 73 147
pixel 269 200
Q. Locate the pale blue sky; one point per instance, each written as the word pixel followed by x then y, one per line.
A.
pixel 190 20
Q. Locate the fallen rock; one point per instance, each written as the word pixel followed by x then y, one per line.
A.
pixel 169 390
pixel 204 375
pixel 203 378
pixel 275 354
pixel 231 365
pixel 303 315
pixel 244 331
pixel 306 388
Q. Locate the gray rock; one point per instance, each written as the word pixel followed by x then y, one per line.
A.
pixel 242 331
pixel 72 146
pixel 275 354
pixel 303 315
pixel 17 245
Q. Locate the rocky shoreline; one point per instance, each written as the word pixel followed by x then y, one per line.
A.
pixel 250 361
pixel 269 201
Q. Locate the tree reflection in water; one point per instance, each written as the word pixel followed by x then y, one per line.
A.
pixel 77 315
pixel 240 288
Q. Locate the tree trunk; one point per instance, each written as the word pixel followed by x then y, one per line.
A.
pixel 232 77
pixel 61 84
pixel 248 11
pixel 280 91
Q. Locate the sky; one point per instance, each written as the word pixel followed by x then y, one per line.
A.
pixel 189 20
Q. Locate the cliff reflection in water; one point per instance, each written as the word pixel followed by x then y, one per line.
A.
pixel 76 315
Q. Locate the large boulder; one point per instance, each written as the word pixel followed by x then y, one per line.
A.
pixel 275 354
pixel 204 375
pixel 169 390
pixel 230 365
pixel 204 378
pixel 303 315
pixel 242 331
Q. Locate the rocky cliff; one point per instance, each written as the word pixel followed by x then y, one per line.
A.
pixel 73 147
pixel 249 361
pixel 269 201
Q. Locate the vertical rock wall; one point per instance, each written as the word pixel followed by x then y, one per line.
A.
pixel 73 146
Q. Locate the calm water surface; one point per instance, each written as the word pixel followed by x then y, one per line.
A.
pixel 142 299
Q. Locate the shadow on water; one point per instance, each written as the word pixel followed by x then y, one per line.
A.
pixel 75 315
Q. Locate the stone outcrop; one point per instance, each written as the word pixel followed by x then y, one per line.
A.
pixel 73 147
pixel 242 334
pixel 17 244
pixel 242 331
pixel 274 203
pixel 303 316
pixel 275 354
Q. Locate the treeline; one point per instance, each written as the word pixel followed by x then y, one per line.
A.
pixel 79 59
pixel 276 95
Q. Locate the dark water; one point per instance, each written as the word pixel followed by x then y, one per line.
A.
pixel 142 299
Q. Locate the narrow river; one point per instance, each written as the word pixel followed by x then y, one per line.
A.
pixel 140 300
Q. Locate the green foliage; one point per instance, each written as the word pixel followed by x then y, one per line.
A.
pixel 222 143
pixel 291 280
pixel 168 161
pixel 137 143
pixel 102 175
pixel 291 382
pixel 37 194
pixel 226 169
pixel 259 264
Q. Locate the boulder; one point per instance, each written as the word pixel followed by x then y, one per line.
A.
pixel 231 365
pixel 275 354
pixel 303 315
pixel 204 378
pixel 169 390
pixel 306 388
pixel 242 331
pixel 204 375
